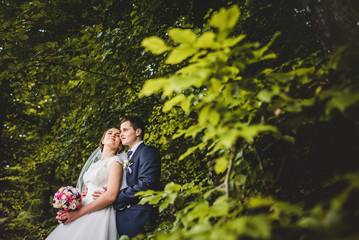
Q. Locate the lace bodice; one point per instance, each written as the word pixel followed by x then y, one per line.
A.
pixel 97 175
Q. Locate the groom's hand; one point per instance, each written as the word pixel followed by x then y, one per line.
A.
pixel 84 192
pixel 98 193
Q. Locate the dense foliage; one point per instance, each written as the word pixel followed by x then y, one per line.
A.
pixel 254 111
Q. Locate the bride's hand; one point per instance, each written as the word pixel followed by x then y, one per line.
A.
pixel 68 215
pixel 58 216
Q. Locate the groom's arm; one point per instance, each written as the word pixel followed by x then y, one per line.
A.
pixel 148 177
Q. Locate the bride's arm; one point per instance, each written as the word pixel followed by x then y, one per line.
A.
pixel 108 197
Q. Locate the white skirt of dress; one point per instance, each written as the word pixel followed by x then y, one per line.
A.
pixel 99 225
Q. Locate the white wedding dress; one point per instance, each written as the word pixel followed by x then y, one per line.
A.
pixel 99 225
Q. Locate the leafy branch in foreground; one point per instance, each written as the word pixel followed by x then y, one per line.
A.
pixel 238 100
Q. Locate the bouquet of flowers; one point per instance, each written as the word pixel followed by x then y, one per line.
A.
pixel 67 198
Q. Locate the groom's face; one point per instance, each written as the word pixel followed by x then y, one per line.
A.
pixel 129 136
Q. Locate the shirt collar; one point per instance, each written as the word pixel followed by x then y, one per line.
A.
pixel 134 148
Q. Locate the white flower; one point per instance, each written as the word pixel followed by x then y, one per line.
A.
pixel 126 162
pixel 72 206
pixel 57 204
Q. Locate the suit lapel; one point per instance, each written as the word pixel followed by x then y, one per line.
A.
pixel 136 155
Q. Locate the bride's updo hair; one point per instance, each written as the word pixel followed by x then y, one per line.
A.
pixel 103 136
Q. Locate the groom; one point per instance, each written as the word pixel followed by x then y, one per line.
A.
pixel 143 173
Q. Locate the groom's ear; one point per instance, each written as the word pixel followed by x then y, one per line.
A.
pixel 138 132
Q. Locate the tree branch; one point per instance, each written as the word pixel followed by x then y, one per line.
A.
pixel 259 159
pixel 278 173
pixel 229 170
pixel 96 73
pixel 108 76
pixel 261 168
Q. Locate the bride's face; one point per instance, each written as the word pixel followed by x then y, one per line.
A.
pixel 112 138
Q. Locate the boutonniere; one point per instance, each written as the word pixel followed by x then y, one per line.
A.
pixel 128 164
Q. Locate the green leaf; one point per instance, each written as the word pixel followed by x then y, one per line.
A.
pixel 200 210
pixel 251 131
pixel 269 56
pixel 225 19
pixel 172 102
pixel 155 44
pixel 186 105
pixel 215 88
pixel 220 207
pixel 258 202
pixel 288 138
pixel 152 86
pixel 180 83
pixel 221 164
pixel 214 117
pixel 191 150
pixel 172 187
pixel 203 115
pixel 152 200
pixel 184 36
pixel 163 206
pixel 230 42
pixel 193 130
pixel 229 137
pixel 303 71
pixel 342 100
pixel 179 54
pixel 207 40
pixel 265 95
pixel 23 37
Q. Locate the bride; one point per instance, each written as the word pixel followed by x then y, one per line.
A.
pixel 96 218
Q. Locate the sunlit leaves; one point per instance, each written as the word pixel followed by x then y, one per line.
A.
pixel 153 86
pixel 191 150
pixel 221 164
pixel 233 109
pixel 230 42
pixel 180 53
pixel 340 99
pixel 172 102
pixel 207 40
pixel 182 36
pixel 155 44
pixel 225 19
pixel 223 110
pixel 164 198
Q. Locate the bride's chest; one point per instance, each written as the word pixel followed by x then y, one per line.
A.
pixel 97 174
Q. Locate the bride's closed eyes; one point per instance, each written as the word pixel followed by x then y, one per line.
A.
pixel 110 133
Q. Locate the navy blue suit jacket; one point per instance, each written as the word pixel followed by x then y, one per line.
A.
pixel 145 175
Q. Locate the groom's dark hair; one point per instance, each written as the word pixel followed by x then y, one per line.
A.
pixel 136 122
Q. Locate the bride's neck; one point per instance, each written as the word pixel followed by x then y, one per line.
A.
pixel 107 153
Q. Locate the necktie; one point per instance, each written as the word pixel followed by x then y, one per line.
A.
pixel 129 153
